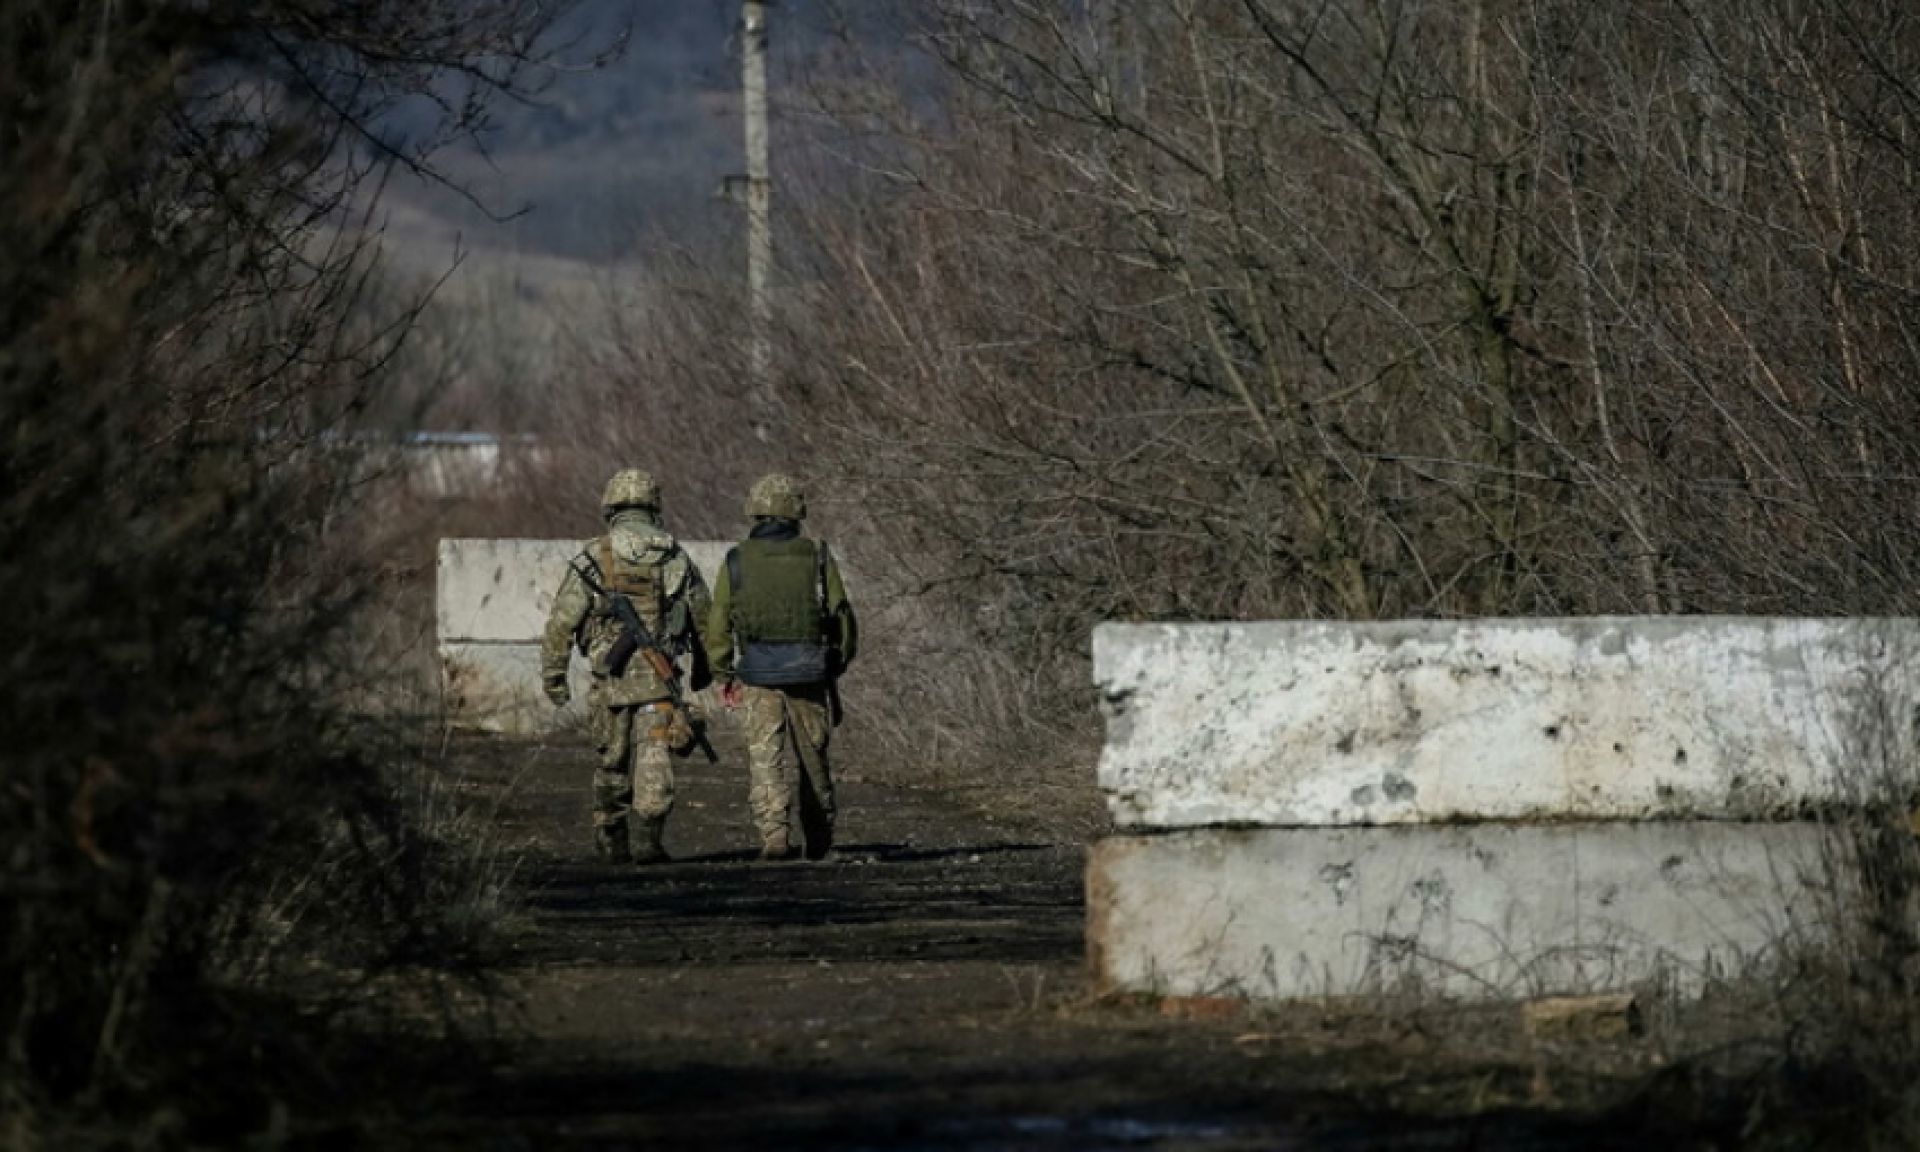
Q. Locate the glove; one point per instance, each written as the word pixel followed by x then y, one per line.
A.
pixel 557 691
pixel 730 693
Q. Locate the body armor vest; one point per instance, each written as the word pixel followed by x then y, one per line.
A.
pixel 776 590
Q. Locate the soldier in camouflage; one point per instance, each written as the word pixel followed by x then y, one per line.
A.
pixel 780 633
pixel 636 727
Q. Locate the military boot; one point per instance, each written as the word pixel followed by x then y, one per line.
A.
pixel 819 836
pixel 651 850
pixel 777 847
pixel 611 842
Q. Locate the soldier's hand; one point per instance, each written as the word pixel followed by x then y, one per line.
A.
pixel 557 691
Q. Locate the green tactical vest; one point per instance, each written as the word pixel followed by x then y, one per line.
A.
pixel 775 586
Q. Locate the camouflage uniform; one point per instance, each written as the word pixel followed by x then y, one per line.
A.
pixel 635 727
pixel 779 633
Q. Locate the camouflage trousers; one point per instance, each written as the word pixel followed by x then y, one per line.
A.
pixel 635 770
pixel 787 731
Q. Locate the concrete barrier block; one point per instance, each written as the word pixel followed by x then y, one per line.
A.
pixel 1480 912
pixel 501 590
pixel 495 687
pixel 498 590
pixel 491 605
pixel 1308 723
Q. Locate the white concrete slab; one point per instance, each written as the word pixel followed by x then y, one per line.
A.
pixel 1304 723
pixel 491 606
pixel 500 590
pixel 1484 912
pixel 495 687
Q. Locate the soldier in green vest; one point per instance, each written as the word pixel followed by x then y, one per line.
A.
pixel 780 633
pixel 635 574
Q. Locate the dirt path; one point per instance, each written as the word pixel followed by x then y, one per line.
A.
pixel 923 991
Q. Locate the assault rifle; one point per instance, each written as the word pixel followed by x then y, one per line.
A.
pixel 634 640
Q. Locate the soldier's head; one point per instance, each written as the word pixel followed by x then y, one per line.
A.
pixel 777 497
pixel 630 488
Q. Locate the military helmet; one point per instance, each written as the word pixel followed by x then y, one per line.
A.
pixel 777 495
pixel 631 488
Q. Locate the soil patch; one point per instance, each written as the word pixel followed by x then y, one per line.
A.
pixel 926 990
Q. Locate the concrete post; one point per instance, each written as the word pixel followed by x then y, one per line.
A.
pixel 753 35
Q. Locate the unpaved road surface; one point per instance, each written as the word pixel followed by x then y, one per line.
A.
pixel 925 990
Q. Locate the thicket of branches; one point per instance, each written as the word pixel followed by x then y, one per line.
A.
pixel 1227 309
pixel 1231 309
pixel 184 316
pixel 1238 309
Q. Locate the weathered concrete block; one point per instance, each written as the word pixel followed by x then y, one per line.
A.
pixel 1564 1018
pixel 1469 911
pixel 491 607
pixel 497 591
pixel 1325 724
pixel 500 591
pixel 496 688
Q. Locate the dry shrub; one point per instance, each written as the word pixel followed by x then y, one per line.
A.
pixel 185 320
pixel 1843 1011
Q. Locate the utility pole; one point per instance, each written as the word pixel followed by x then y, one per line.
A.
pixel 759 196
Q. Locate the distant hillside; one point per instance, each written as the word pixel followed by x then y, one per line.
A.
pixel 605 156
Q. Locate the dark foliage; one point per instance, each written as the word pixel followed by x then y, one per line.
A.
pixel 184 318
